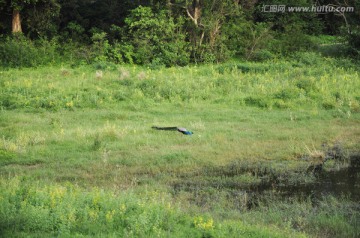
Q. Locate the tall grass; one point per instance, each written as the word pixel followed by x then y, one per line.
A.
pixel 302 83
pixel 33 209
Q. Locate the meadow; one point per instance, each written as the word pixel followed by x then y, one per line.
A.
pixel 78 156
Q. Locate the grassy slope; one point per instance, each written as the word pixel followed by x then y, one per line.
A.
pixel 70 125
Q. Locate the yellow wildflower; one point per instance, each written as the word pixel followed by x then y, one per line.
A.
pixel 122 208
pixel 109 216
pixel 56 195
pixel 201 223
pixel 70 104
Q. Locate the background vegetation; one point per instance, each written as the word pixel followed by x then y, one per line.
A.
pixel 166 32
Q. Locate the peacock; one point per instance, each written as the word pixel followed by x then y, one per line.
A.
pixel 174 128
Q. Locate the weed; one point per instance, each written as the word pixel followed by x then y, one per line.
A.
pixel 97 143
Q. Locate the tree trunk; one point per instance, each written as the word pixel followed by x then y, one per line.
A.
pixel 194 12
pixel 16 22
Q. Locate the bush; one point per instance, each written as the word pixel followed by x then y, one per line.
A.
pixel 292 40
pixel 263 55
pixel 248 40
pixel 155 38
pixel 18 51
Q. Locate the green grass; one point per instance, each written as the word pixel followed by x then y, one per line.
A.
pixel 72 135
pixel 46 210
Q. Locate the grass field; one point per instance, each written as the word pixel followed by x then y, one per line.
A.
pixel 78 156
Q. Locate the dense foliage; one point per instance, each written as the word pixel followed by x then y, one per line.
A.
pixel 171 32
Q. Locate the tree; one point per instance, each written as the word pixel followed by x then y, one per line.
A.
pixel 40 11
pixel 42 19
pixel 282 21
pixel 90 14
pixel 3 14
pixel 206 19
pixel 17 6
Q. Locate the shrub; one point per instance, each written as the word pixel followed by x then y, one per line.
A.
pixel 263 55
pixel 292 40
pixel 248 40
pixel 18 51
pixel 155 38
